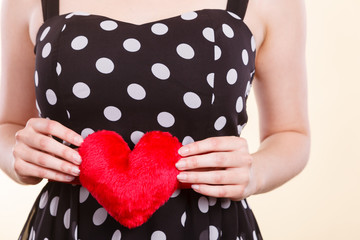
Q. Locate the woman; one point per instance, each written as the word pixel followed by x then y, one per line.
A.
pixel 186 68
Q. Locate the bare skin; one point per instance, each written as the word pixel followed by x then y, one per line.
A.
pixel 29 154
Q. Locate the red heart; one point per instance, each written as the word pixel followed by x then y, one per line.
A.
pixel 130 185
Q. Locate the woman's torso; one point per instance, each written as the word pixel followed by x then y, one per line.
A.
pixel 201 93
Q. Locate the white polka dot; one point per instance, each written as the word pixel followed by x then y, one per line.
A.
pixel 210 79
pixel 67 218
pixel 228 31
pixel 63 28
pixel 112 113
pixel 245 57
pixel 108 25
pixel 43 200
pixel 160 71
pixel 83 194
pixel 86 132
pixel 44 33
pixel 135 136
pixel 220 123
pixel 212 98
pixel 254 235
pixel 66 143
pixel 158 235
pixel 253 44
pixel 58 68
pixel 244 204
pixel 225 203
pixel 234 15
pixel 165 119
pixel 46 50
pixel 81 90
pixel 248 88
pixel 185 51
pixel 136 91
pixel 54 206
pixel 203 204
pixel 51 97
pixel 187 140
pixel 231 76
pixel 159 29
pixel 100 216
pixel 189 15
pixel 192 100
pixel 176 193
pixel 212 201
pixel 217 53
pixel 37 107
pixel 104 65
pixel 209 34
pixel 183 219
pixel 116 235
pixel 252 74
pixel 69 15
pixel 77 14
pixel 132 45
pixel 68 114
pixel 239 104
pixel 32 234
pixel 79 43
pixel 240 128
pixel 76 233
pixel 36 78
pixel 213 233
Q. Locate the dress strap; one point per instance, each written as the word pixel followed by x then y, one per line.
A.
pixel 50 8
pixel 238 7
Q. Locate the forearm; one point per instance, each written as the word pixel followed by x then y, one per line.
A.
pixel 280 157
pixel 7 141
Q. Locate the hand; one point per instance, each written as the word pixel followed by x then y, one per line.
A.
pixel 37 155
pixel 218 167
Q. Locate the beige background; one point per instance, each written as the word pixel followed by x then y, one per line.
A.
pixel 323 202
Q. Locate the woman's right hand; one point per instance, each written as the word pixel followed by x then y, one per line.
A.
pixel 37 155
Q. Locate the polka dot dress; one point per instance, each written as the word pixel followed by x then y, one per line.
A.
pixel 189 75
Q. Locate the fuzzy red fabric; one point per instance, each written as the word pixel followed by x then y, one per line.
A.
pixel 130 185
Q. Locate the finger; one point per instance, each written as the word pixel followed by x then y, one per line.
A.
pixel 25 170
pixel 217 159
pixel 50 127
pixel 49 145
pixel 45 160
pixel 214 144
pixel 234 192
pixel 222 177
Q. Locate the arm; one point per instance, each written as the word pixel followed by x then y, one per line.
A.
pixel 281 93
pixel 30 156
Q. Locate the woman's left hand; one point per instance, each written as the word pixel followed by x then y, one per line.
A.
pixel 218 167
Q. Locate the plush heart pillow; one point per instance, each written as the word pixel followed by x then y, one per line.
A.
pixel 130 185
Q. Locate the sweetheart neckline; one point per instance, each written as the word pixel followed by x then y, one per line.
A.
pixel 79 13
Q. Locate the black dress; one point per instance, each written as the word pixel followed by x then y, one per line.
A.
pixel 189 75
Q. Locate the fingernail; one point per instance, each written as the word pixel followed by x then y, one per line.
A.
pixel 77 158
pixel 69 178
pixel 181 176
pixel 183 150
pixel 79 140
pixel 180 164
pixel 195 187
pixel 76 171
